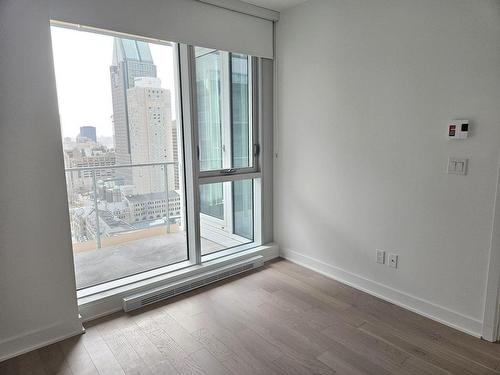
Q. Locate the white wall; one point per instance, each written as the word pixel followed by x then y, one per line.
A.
pixel 186 21
pixel 365 90
pixel 37 282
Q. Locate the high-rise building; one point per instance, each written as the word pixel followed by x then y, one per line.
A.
pixel 88 132
pixel 150 129
pixel 83 156
pixel 131 59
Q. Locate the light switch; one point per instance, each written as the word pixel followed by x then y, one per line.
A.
pixel 457 166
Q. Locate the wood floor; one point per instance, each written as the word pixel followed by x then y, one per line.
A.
pixel 282 319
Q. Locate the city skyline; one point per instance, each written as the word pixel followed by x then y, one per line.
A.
pixel 92 53
pixel 110 201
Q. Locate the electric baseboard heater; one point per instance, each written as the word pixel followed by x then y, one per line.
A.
pixel 139 300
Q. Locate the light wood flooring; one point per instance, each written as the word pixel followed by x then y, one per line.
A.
pixel 281 319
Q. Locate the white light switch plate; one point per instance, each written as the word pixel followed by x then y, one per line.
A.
pixel 457 166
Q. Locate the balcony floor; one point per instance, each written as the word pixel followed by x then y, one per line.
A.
pixel 113 262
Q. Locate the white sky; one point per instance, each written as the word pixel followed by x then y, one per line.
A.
pixel 82 61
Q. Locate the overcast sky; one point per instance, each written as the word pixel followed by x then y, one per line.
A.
pixel 82 62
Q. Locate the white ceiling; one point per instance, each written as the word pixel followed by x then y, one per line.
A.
pixel 278 5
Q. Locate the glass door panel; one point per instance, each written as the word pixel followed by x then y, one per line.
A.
pixel 235 224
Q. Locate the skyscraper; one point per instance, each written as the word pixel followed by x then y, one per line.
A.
pixel 131 59
pixel 150 129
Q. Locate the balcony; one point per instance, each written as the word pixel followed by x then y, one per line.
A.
pixel 121 226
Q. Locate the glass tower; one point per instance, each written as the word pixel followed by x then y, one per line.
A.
pixel 131 59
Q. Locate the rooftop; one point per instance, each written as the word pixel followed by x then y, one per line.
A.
pixel 151 197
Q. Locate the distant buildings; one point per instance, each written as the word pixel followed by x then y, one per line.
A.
pixel 124 216
pixel 86 155
pixel 84 223
pixel 153 206
pixel 87 132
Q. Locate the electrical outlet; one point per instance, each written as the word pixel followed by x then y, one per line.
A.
pixel 393 260
pixel 381 256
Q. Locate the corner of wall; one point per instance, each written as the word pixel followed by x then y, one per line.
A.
pixel 39 338
pixel 428 309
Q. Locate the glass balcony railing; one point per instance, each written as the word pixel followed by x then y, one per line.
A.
pixel 128 219
pixel 133 214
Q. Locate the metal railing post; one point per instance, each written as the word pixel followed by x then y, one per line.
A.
pixel 96 207
pixel 168 201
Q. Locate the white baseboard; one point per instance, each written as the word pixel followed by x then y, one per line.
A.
pixel 28 341
pixel 428 309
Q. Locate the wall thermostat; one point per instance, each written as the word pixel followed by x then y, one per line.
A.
pixel 458 129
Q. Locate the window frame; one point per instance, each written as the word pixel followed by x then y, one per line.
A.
pixel 191 258
pixel 227 116
pixel 197 177
pixel 185 81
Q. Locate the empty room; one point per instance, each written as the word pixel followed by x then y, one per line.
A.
pixel 258 187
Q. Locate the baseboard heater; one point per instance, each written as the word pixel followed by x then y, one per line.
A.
pixel 139 300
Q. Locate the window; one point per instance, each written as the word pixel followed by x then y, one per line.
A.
pixel 224 88
pixel 240 111
pixel 121 151
pixel 131 208
pixel 210 111
pixel 224 110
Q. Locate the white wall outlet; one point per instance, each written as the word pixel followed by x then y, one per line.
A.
pixel 381 256
pixel 393 260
